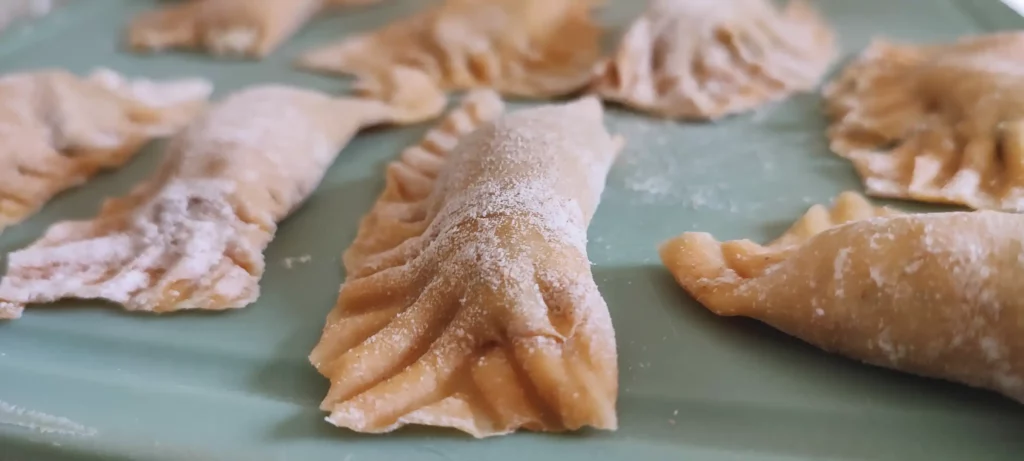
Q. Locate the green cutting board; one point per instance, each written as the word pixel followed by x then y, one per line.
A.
pixel 85 381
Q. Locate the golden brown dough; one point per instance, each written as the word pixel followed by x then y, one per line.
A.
pixel 192 236
pixel 525 48
pixel 936 295
pixel 936 123
pixel 701 59
pixel 59 130
pixel 251 28
pixel 469 301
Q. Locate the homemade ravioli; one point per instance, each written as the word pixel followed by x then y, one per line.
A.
pixel 524 48
pixel 469 300
pixel 936 295
pixel 701 59
pixel 937 123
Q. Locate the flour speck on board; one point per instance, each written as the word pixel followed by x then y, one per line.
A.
pixel 662 164
pixel 13 415
pixel 291 261
pixel 650 170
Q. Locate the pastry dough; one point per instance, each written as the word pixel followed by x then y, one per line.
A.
pixel 939 123
pixel 251 28
pixel 469 301
pixel 59 130
pixel 193 235
pixel 701 59
pixel 524 48
pixel 936 295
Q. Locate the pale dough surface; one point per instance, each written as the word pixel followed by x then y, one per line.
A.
pixel 523 48
pixel 192 236
pixel 936 123
pixel 59 129
pixel 706 59
pixel 937 295
pixel 469 301
pixel 250 28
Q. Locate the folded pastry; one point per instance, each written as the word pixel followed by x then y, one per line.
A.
pixel 525 48
pixel 937 295
pixel 59 129
pixel 192 236
pixel 936 123
pixel 700 59
pixel 469 301
pixel 252 28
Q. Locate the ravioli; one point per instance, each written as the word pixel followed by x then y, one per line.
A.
pixel 243 28
pixel 59 130
pixel 469 300
pixel 522 48
pixel 704 60
pixel 192 236
pixel 939 123
pixel 936 295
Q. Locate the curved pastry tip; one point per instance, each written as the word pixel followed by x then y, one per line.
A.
pixel 412 94
pixel 698 263
pixel 849 206
pixel 713 272
pixel 10 311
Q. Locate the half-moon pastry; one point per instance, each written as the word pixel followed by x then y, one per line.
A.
pixel 935 123
pixel 469 300
pixel 936 295
pixel 250 28
pixel 59 130
pixel 524 48
pixel 700 59
pixel 192 236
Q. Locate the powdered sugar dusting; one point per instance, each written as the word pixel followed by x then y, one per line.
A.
pixel 152 93
pixel 59 130
pixel 519 181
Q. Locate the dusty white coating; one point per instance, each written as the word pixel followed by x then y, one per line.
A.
pixel 13 415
